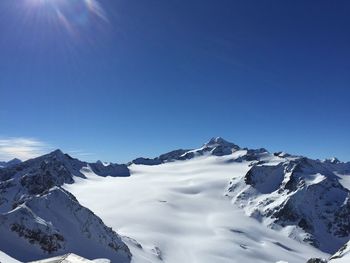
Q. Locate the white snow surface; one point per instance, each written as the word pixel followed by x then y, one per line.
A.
pixel 345 180
pixel 56 213
pixel 4 258
pixel 342 256
pixel 70 258
pixel 178 212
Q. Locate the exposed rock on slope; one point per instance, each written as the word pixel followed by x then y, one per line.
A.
pixel 40 174
pixel 301 195
pixel 216 146
pixel 341 256
pixel 39 218
pixel 10 163
pixel 302 198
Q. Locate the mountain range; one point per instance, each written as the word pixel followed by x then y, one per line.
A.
pixel 10 163
pixel 217 203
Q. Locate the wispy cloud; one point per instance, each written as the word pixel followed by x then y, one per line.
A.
pixel 22 148
pixel 79 153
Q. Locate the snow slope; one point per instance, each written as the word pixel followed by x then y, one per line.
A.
pixel 39 219
pixel 178 212
pixel 69 258
pixel 4 258
pixel 216 203
pixel 342 256
pixel 300 195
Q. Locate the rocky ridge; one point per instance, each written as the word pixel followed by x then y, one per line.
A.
pixel 39 218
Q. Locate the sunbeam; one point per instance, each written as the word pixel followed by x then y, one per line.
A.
pixel 72 15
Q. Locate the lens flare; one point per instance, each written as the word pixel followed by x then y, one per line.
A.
pixel 96 8
pixel 73 15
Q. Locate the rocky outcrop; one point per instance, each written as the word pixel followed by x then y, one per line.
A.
pixel 215 146
pixel 37 175
pixel 342 255
pixel 40 218
pixel 317 260
pixel 299 194
pixel 114 170
pixel 10 163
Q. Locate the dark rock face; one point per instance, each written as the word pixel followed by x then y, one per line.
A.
pixel 55 169
pixel 172 156
pixel 48 243
pixel 219 147
pixel 45 178
pixel 56 163
pixel 164 158
pixel 55 221
pixel 265 179
pixel 10 163
pixel 299 192
pixel 316 260
pixel 146 161
pixel 113 170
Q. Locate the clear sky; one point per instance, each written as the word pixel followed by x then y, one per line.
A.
pixel 119 79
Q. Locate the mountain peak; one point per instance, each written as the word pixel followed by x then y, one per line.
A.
pixel 333 160
pixel 12 162
pixel 56 152
pixel 15 160
pixel 219 141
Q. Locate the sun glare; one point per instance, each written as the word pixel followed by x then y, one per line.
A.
pixel 70 14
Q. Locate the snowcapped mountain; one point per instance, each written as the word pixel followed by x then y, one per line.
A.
pixel 38 175
pixel 307 200
pixel 10 163
pixel 217 203
pixel 301 195
pixel 216 146
pixel 39 218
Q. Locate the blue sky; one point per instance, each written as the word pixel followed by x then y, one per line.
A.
pixel 120 79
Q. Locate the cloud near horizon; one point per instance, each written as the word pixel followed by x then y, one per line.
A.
pixel 21 148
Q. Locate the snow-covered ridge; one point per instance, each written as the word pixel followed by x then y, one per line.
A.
pixel 55 223
pixel 300 195
pixel 216 146
pixel 40 174
pixel 70 258
pixel 39 218
pixel 341 256
pixel 181 195
pixel 308 199
pixel 61 163
pixel 177 212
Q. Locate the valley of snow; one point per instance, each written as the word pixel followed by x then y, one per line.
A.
pixel 178 212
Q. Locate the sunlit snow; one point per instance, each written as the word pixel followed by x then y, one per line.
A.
pixel 178 212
